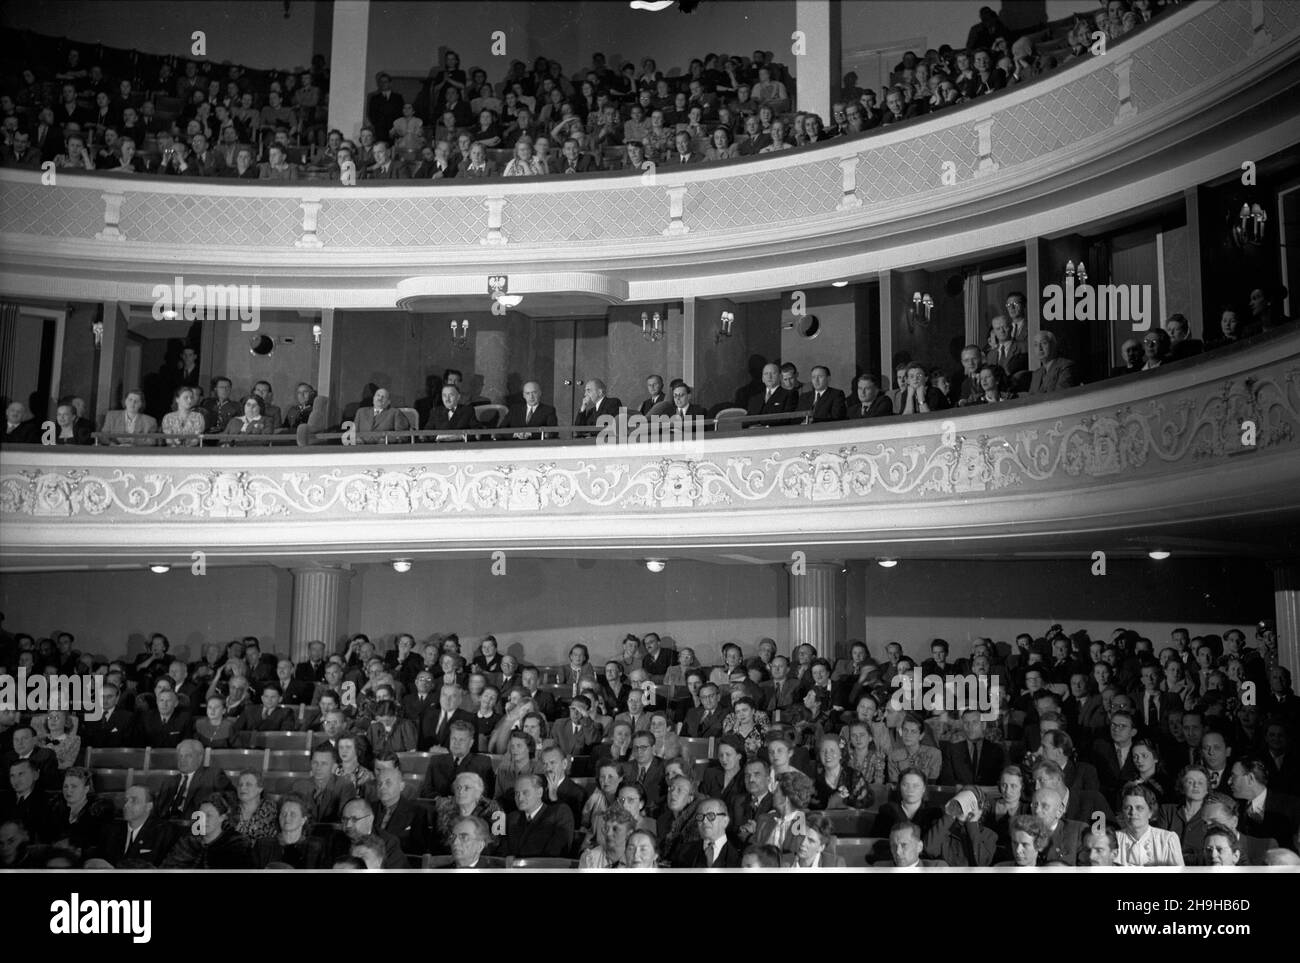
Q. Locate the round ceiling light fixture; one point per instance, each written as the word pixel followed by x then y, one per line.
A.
pixel 1158 554
pixel 886 562
pixel 158 568
pixel 401 565
pixel 656 564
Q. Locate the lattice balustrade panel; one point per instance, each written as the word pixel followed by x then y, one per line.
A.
pixel 757 199
pixel 1201 48
pixel 916 166
pixel 206 220
pixel 51 211
pixel 1063 116
pixel 1281 18
pixel 584 216
pixel 420 220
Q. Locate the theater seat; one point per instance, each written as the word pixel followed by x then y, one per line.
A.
pixel 154 778
pixel 112 779
pixel 238 759
pixel 861 851
pixel 850 822
pixel 300 741
pixel 161 759
pixel 543 862
pixel 696 750
pixel 491 416
pixel 279 783
pixel 116 758
pixel 414 763
pixel 441 862
pixel 728 419
pixel 289 760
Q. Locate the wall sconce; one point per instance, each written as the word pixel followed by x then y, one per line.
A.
pixel 652 326
pixel 921 310
pixel 97 329
pixel 724 331
pixel 316 331
pixel 1080 273
pixel 1248 227
pixel 461 339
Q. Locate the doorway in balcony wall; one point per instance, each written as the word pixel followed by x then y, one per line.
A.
pixel 31 352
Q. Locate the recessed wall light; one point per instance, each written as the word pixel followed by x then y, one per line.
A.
pixel 839 284
pixel 656 564
pixel 401 565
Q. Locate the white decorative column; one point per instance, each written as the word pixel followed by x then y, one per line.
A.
pixel 816 606
pixel 320 605
pixel 1286 602
pixel 349 82
pixel 817 70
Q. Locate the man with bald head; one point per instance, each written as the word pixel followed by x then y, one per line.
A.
pixel 712 849
pixel 595 403
pixel 182 793
pixel 378 417
pixel 20 427
pixel 531 414
pixel 773 399
pixel 141 834
pixel 1065 836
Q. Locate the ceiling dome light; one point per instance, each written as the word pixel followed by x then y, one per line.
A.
pixel 1158 554
pixel 886 562
pixel 160 569
pixel 839 284
pixel 656 564
pixel 401 565
pixel 510 300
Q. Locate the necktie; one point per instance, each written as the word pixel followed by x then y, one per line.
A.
pixel 708 854
pixel 531 409
pixel 975 761
pixel 681 412
pixel 181 792
pixel 683 158
pixel 130 838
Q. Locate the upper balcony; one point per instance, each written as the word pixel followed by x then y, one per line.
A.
pixel 1186 99
pixel 1201 455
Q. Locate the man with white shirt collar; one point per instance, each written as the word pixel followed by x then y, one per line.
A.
pixel 43 760
pixel 1215 753
pixel 1221 808
pixel 537 828
pixel 531 414
pixel 712 850
pixel 24 803
pixel 824 403
pixel 773 399
pixel 451 414
pixel 1113 756
pixel 654 386
pixel 1064 836
pixel 114 728
pixel 469 837
pixel 1266 814
pixel 757 800
pixel 141 836
pixel 905 848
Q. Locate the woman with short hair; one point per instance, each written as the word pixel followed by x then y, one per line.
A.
pixel 79 818
pixel 185 420
pixel 257 817
pixel 1140 843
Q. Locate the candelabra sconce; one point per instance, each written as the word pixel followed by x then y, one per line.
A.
pixel 652 326
pixel 921 311
pixel 316 331
pixel 460 335
pixel 97 329
pixel 1079 273
pixel 1249 225
pixel 725 322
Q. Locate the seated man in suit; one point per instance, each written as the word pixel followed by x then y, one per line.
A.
pixel 537 828
pixel 461 757
pixel 44 762
pixel 823 403
pixel 906 847
pixel 577 735
pixel 1131 352
pixel 1064 836
pixel 385 167
pixel 165 726
pixel 773 399
pixel 595 403
pixel 542 700
pixel 870 402
pixel 654 386
pixel 21 428
pixel 1265 812
pixel 436 726
pixel 181 794
pixel 531 414
pixel 142 835
pixel 658 657
pixel 25 802
pixel 1053 373
pixel 1113 757
pixel 398 815
pixel 559 787
pixel 359 822
pixel 573 160
pixel 269 716
pixel 1222 809
pixel 684 151
pixel 683 408
pixel 377 418
pixel 959 837
pixel 974 761
pixel 296 692
pixel 1010 353
pixel 647 770
pixel 451 415
pixel 713 849
pixel 705 721
pixel 326 791
pixel 114 728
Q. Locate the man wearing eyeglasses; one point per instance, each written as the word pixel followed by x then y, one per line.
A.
pixel 646 770
pixel 358 822
pixel 713 850
pixel 1155 346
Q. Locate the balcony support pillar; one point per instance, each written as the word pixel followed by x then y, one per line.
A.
pixel 348 80
pixel 320 608
pixel 816 605
pixel 1286 602
pixel 817 69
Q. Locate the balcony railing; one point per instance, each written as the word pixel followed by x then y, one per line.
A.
pixel 1219 435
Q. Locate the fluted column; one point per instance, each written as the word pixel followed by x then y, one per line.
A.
pixel 320 604
pixel 1286 602
pixel 816 606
